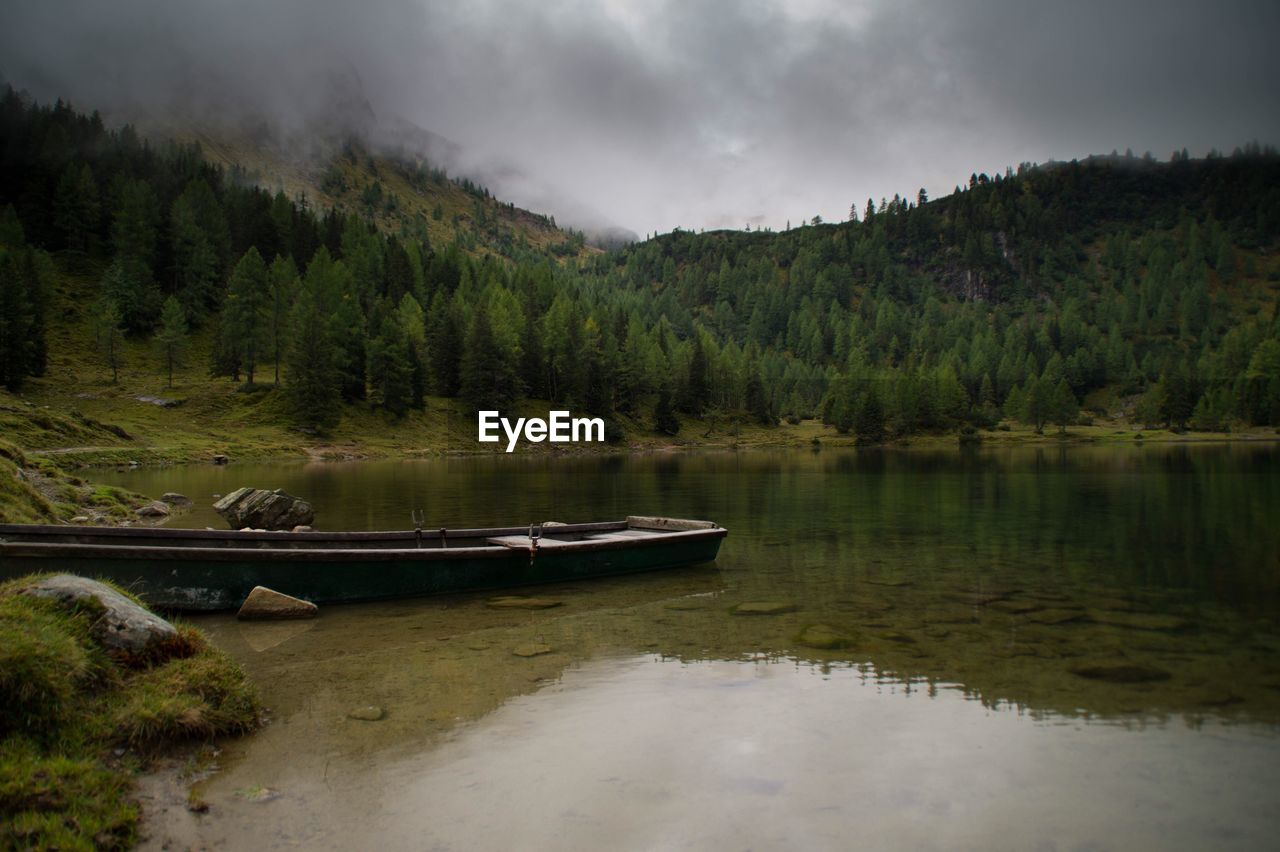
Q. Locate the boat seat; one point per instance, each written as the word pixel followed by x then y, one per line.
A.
pixel 522 541
pixel 619 535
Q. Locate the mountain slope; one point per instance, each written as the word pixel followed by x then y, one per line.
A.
pixel 1145 292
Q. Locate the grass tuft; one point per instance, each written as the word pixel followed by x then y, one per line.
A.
pixel 65 705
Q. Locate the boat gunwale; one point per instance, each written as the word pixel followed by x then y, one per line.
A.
pixel 311 535
pixel 347 554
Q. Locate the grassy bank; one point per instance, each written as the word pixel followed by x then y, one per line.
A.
pixel 76 724
pixel 92 424
pixel 34 489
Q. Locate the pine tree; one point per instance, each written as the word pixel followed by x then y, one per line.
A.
pixel 314 379
pixel 489 379
pixel 135 224
pixel 76 208
pixel 246 318
pixel 869 422
pixel 129 283
pixel 1064 407
pixel 757 402
pixel 282 287
pixel 698 386
pixel 664 416
pixel 200 242
pixel 444 344
pixel 171 340
pixel 108 334
pixel 390 367
pixel 16 322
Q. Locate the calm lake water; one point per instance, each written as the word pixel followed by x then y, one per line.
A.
pixel 1032 648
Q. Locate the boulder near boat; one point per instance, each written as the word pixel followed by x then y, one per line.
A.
pixel 216 569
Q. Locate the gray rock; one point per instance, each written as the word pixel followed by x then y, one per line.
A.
pixel 265 604
pixel 173 498
pixel 121 626
pixel 303 528
pixel 80 519
pixel 261 509
pixel 219 458
pixel 155 509
pixel 160 401
pixel 370 713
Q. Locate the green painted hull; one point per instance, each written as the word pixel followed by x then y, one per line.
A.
pixel 204 578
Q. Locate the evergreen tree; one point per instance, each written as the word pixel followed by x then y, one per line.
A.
pixel 869 421
pixel 1179 399
pixel 108 334
pixel 171 339
pixel 413 322
pixel 1063 406
pixel 282 288
pixel 1260 385
pixel 314 378
pixel 697 391
pixel 489 379
pixel 246 316
pixel 200 243
pixel 17 320
pixel 130 286
pixel 444 344
pixel 135 223
pixel 391 367
pixel 757 402
pixel 664 416
pixel 77 208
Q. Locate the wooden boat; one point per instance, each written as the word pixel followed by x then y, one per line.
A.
pixel 216 569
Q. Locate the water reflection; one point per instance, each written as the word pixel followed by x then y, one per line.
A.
pixel 868 610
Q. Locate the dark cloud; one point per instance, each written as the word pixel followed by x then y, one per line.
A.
pixel 699 114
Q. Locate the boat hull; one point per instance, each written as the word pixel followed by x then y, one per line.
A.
pixel 205 578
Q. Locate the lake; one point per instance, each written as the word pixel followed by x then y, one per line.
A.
pixel 1045 648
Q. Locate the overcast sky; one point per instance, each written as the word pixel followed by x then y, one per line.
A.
pixel 708 114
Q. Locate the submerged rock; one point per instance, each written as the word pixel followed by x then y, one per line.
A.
pixel 763 608
pixel 154 509
pixel 521 602
pixel 173 498
pixel 531 649
pixel 262 509
pixel 124 628
pixel 267 604
pixel 824 637
pixel 1121 673
pixel 370 713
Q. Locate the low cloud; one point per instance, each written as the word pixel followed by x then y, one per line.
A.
pixel 662 114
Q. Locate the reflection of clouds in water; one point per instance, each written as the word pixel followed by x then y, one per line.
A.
pixel 827 767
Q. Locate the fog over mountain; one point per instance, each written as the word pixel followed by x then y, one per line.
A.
pixel 661 114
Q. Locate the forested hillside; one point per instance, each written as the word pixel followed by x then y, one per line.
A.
pixel 1117 285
